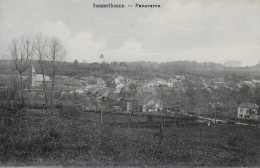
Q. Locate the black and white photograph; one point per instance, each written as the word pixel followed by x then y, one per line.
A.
pixel 129 83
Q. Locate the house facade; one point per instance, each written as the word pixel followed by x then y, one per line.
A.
pixel 248 111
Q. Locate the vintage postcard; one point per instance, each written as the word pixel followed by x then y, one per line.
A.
pixel 124 83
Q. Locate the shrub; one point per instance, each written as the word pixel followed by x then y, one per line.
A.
pixel 234 140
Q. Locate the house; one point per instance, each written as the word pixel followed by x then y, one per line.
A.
pixel 77 91
pixel 175 83
pixel 145 102
pixel 36 80
pixel 248 83
pixel 137 101
pixel 152 83
pixel 161 81
pixel 218 82
pixel 256 82
pixel 129 81
pixel 152 105
pixel 101 82
pixel 119 80
pixel 248 111
pixel 180 77
pixel 99 92
pixel 120 83
pixel 91 80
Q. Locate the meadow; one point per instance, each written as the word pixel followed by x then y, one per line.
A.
pixel 36 138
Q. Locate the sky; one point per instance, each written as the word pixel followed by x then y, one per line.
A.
pixel 195 30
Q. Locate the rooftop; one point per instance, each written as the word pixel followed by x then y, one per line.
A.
pixel 248 105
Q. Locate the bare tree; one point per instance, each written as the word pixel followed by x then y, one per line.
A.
pixel 41 45
pixel 54 55
pixel 22 51
pixel 134 87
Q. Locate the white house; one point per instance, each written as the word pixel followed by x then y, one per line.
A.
pixel 152 105
pixel 256 82
pixel 248 83
pixel 248 111
pixel 180 77
pixel 119 80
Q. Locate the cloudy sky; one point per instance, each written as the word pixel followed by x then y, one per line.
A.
pixel 200 30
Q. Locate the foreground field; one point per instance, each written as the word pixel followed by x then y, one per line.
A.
pixel 44 139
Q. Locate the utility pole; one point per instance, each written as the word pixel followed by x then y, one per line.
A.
pixel 215 115
pixel 199 112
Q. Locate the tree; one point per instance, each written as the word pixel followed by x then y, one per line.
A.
pixel 257 95
pixel 110 83
pixel 40 48
pixel 54 55
pixel 101 57
pixel 133 89
pixel 170 97
pixel 114 63
pixel 104 66
pixel 123 65
pixel 75 63
pixel 10 87
pixel 191 96
pixel 245 94
pixel 22 51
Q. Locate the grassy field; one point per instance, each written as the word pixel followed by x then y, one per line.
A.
pixel 44 139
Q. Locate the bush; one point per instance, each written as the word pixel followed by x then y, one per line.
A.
pixel 13 129
pixel 235 141
pixel 70 111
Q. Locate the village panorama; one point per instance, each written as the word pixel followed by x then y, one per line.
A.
pixel 183 113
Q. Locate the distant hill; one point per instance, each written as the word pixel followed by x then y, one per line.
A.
pixel 233 63
pixel 143 68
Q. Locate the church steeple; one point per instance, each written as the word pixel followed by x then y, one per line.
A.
pixel 33 76
pixel 33 70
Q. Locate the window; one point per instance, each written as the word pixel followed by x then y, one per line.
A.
pixel 241 110
pixel 240 115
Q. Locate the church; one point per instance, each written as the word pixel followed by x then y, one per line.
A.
pixel 36 80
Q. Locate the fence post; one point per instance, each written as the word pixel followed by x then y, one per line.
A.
pixel 101 117
pixel 201 134
pixel 129 120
